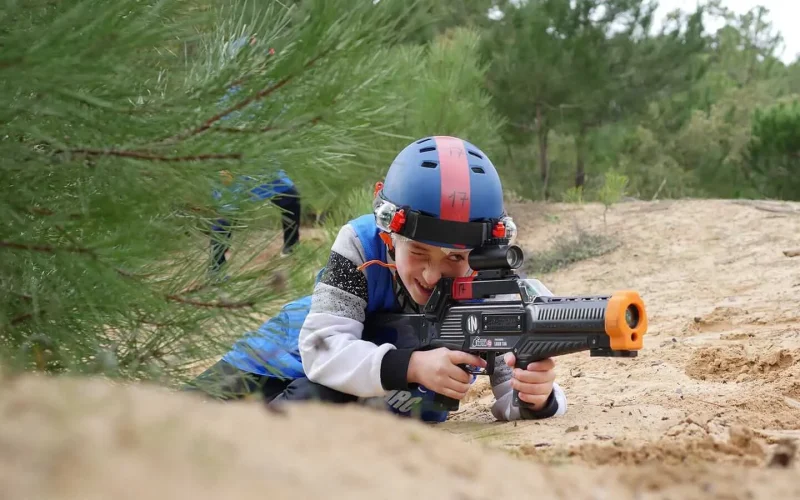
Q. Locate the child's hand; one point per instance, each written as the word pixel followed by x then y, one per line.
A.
pixel 534 384
pixel 438 371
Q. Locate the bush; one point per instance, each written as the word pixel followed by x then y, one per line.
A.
pixel 568 249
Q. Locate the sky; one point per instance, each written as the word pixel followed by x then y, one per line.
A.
pixel 783 15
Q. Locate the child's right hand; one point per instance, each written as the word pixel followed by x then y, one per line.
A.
pixel 438 371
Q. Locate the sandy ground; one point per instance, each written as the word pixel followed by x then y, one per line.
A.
pixel 710 408
pixel 721 362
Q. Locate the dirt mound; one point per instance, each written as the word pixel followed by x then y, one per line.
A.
pixel 77 439
pixel 734 363
pixel 742 447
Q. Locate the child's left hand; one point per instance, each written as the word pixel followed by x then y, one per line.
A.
pixel 534 384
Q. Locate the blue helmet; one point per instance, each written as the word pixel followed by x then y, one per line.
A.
pixel 443 191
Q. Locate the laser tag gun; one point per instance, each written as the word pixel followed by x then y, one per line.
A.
pixel 534 326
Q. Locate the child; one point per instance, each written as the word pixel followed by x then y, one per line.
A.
pixel 441 197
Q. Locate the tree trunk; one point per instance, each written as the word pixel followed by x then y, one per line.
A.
pixel 580 146
pixel 541 133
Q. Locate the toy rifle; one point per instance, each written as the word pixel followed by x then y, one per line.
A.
pixel 534 326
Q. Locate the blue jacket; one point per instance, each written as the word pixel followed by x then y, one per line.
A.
pixel 273 349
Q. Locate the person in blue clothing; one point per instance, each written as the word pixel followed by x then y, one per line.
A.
pixel 441 197
pixel 278 188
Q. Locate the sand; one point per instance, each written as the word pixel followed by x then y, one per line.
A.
pixel 709 409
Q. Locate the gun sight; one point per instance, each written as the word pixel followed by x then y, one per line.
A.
pixel 496 257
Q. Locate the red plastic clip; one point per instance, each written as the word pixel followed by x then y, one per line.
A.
pixel 398 221
pixel 499 230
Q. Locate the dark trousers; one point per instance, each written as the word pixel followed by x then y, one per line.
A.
pixel 290 218
pixel 289 203
pixel 226 382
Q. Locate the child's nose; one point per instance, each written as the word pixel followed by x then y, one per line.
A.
pixel 432 274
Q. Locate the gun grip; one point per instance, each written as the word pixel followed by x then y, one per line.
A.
pixel 521 362
pixel 444 403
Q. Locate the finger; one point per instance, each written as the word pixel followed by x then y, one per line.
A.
pixel 510 359
pixel 534 377
pixel 543 365
pixel 537 401
pixel 450 393
pixel 532 389
pixel 461 357
pixel 456 373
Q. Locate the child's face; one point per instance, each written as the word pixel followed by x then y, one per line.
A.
pixel 420 267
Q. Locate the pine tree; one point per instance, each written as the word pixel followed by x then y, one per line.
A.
pixel 118 118
pixel 120 121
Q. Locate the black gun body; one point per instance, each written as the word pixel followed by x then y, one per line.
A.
pixel 533 327
pixel 542 328
pixel 550 326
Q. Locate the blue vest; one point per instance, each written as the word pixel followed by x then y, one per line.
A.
pixel 273 350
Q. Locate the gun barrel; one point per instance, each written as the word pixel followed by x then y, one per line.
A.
pixel 621 316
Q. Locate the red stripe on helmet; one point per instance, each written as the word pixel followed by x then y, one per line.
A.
pixel 454 176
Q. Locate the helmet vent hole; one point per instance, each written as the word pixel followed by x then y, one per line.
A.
pixel 429 164
pixel 429 148
pixel 424 140
pixel 478 170
pixel 473 153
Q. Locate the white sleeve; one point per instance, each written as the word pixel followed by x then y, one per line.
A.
pixel 331 348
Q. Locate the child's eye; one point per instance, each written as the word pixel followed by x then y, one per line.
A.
pixel 456 258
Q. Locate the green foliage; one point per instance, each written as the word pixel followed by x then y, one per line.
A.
pixel 774 151
pixel 596 62
pixel 612 191
pixel 113 144
pixel 117 129
pixel 352 204
pixel 442 86
pixel 567 249
pixel 573 195
pixel 672 110
pixel 613 188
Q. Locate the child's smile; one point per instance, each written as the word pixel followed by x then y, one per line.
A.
pixel 424 291
pixel 421 266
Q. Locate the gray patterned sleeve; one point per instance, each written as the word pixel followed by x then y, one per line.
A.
pixel 331 346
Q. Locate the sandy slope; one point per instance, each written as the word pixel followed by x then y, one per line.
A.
pixel 722 351
pixel 699 414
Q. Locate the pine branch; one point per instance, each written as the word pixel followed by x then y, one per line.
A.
pixel 236 107
pixel 22 317
pixel 268 128
pixel 41 211
pixel 219 305
pixel 150 156
pixel 45 248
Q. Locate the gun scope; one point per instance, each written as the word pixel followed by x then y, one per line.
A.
pixel 496 257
